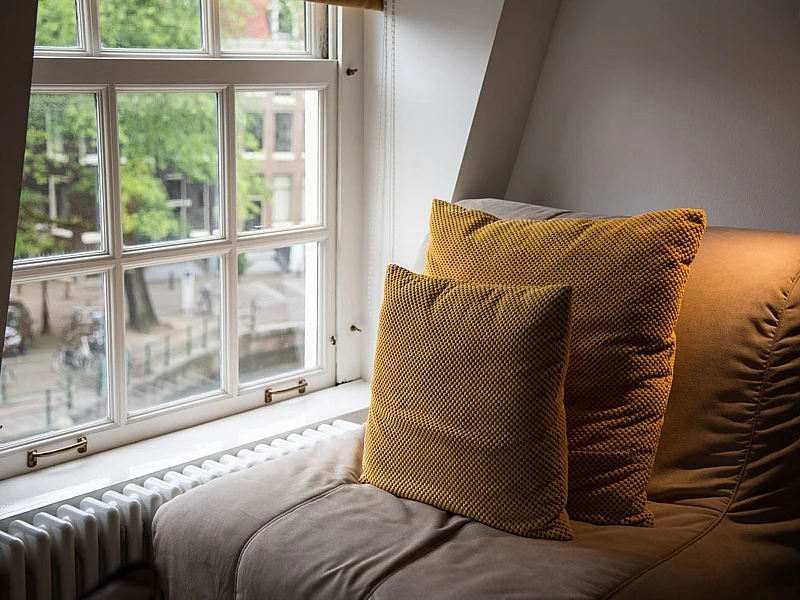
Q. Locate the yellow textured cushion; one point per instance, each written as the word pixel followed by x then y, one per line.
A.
pixel 467 408
pixel 628 277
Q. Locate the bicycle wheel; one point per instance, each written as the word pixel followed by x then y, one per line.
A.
pixel 60 363
pixel 93 365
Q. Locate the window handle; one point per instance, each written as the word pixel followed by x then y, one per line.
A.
pixel 300 387
pixel 34 455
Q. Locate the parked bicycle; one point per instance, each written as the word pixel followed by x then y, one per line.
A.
pixel 83 350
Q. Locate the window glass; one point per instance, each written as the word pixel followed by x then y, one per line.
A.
pixel 150 24
pixel 57 24
pixel 169 144
pixel 146 278
pixel 282 199
pixel 60 201
pixel 254 132
pixel 54 375
pixel 172 332
pixel 256 26
pixel 283 131
pixel 277 304
pixel 254 219
pixel 267 182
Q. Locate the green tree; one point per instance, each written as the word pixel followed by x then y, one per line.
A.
pixel 157 24
pixel 56 23
pixel 162 136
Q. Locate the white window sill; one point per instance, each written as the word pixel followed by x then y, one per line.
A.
pixel 153 457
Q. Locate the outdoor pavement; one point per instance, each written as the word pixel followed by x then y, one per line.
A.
pixel 34 398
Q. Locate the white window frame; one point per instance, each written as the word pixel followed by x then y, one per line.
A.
pixel 338 306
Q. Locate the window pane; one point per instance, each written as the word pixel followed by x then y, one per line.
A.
pixel 60 201
pixel 53 374
pixel 254 132
pixel 57 24
pixel 277 183
pixel 172 332
pixel 277 311
pixel 273 26
pixel 284 135
pixel 169 150
pixel 151 24
pixel 281 199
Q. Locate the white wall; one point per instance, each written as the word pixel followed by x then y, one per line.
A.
pixel 512 76
pixel 442 49
pixel 646 104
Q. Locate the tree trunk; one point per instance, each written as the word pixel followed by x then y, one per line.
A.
pixel 45 310
pixel 141 313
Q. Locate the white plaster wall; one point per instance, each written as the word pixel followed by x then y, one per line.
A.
pixel 442 49
pixel 647 104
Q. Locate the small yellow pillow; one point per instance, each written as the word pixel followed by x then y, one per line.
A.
pixel 628 277
pixel 467 412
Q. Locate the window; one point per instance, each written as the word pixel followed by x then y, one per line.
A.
pixel 254 132
pixel 282 198
pixel 155 290
pixel 283 131
pixel 254 219
pixel 263 25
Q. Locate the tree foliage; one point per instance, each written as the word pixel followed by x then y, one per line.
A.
pixel 161 136
pixel 61 128
pixel 56 23
pixel 157 24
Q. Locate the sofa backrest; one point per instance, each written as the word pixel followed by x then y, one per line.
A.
pixel 731 435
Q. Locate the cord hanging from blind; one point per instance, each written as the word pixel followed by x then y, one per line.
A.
pixel 370 4
pixel 382 228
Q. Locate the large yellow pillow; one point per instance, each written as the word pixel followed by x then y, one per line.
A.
pixel 628 277
pixel 467 412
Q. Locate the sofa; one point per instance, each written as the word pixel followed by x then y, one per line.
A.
pixel 724 488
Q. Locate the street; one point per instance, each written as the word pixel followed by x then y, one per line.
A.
pixel 175 358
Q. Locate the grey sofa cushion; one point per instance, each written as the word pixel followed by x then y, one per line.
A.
pixel 303 527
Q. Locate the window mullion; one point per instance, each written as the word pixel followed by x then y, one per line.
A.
pixel 228 218
pixel 91 27
pixel 111 193
pixel 211 28
pixel 317 43
pixel 112 209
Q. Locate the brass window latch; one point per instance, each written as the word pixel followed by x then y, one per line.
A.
pixel 300 388
pixel 81 445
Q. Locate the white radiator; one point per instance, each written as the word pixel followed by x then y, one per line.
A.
pixel 60 556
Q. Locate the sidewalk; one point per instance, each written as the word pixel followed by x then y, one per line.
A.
pixel 177 357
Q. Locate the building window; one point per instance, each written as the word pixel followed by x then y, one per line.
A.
pixel 161 291
pixel 254 218
pixel 254 132
pixel 285 20
pixel 282 199
pixel 283 131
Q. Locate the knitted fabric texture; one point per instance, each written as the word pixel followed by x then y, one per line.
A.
pixel 467 408
pixel 628 277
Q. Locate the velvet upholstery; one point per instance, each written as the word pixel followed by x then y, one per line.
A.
pixel 723 490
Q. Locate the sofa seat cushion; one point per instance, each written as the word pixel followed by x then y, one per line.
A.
pixel 303 527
